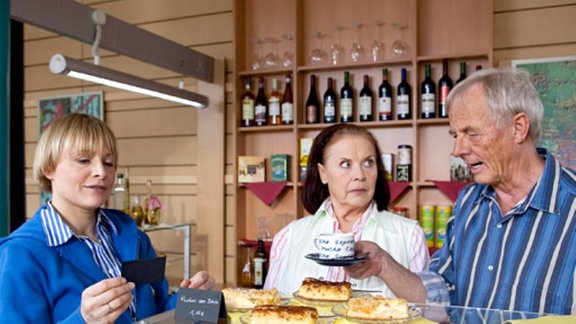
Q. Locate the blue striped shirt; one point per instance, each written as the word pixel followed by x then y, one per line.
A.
pixel 103 251
pixel 524 260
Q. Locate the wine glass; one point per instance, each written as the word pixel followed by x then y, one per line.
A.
pixel 337 50
pixel 377 48
pixel 399 47
pixel 318 55
pixel 257 57
pixel 271 59
pixel 356 49
pixel 288 57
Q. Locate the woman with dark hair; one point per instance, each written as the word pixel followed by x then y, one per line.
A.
pixel 347 192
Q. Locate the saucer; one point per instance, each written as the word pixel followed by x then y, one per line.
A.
pixel 338 262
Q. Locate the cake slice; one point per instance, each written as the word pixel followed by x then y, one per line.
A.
pixel 248 298
pixel 377 308
pixel 268 314
pixel 325 291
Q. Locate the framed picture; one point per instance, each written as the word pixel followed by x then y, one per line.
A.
pixel 555 80
pixel 50 108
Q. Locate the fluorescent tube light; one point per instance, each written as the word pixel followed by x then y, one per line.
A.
pixel 59 64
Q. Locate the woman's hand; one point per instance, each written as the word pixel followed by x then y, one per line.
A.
pixel 201 280
pixel 105 301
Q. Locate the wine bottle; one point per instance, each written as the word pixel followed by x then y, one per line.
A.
pixel 248 104
pixel 346 100
pixel 365 101
pixel 261 105
pixel 330 101
pixel 312 103
pixel 444 86
pixel 462 72
pixel 288 103
pixel 403 98
pixel 428 96
pixel 274 98
pixel 385 98
pixel 260 261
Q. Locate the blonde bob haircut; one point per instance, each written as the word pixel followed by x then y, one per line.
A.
pixel 70 134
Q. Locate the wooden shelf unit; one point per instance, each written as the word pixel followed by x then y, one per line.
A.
pixel 459 30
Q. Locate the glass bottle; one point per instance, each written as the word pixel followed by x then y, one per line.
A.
pixel 385 98
pixel 274 98
pixel 403 98
pixel 248 118
pixel 365 101
pixel 246 279
pixel 330 102
pixel 261 105
pixel 346 100
pixel 260 262
pixel 120 194
pixel 312 103
pixel 288 103
pixel 153 210
pixel 428 96
pixel 147 198
pixel 137 212
pixel 462 72
pixel 444 86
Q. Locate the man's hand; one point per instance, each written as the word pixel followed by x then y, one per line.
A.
pixel 372 266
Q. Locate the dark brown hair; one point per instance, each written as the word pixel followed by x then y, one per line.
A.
pixel 315 192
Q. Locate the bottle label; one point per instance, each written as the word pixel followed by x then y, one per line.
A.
pixel 259 271
pixel 428 105
pixel 247 109
pixel 384 106
pixel 287 112
pixel 329 109
pixel 365 106
pixel 346 108
pixel 443 94
pixel 403 104
pixel 311 114
pixel 274 106
pixel 260 112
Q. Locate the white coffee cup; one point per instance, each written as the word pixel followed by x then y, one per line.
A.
pixel 334 245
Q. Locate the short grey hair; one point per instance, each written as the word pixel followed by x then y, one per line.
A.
pixel 508 91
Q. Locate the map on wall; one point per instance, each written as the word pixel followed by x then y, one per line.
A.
pixel 555 80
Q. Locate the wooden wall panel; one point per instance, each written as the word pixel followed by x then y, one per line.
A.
pixel 534 27
pixel 156 10
pixel 506 5
pixel 128 124
pixel 157 151
pixel 525 29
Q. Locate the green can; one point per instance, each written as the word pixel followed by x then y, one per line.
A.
pixel 427 223
pixel 443 213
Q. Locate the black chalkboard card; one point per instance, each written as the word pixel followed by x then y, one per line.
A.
pixel 200 306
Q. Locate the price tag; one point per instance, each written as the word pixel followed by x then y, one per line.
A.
pixel 196 305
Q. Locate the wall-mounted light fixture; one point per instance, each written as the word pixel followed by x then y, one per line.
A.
pixel 59 64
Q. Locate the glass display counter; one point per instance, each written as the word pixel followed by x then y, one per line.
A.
pixel 429 314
